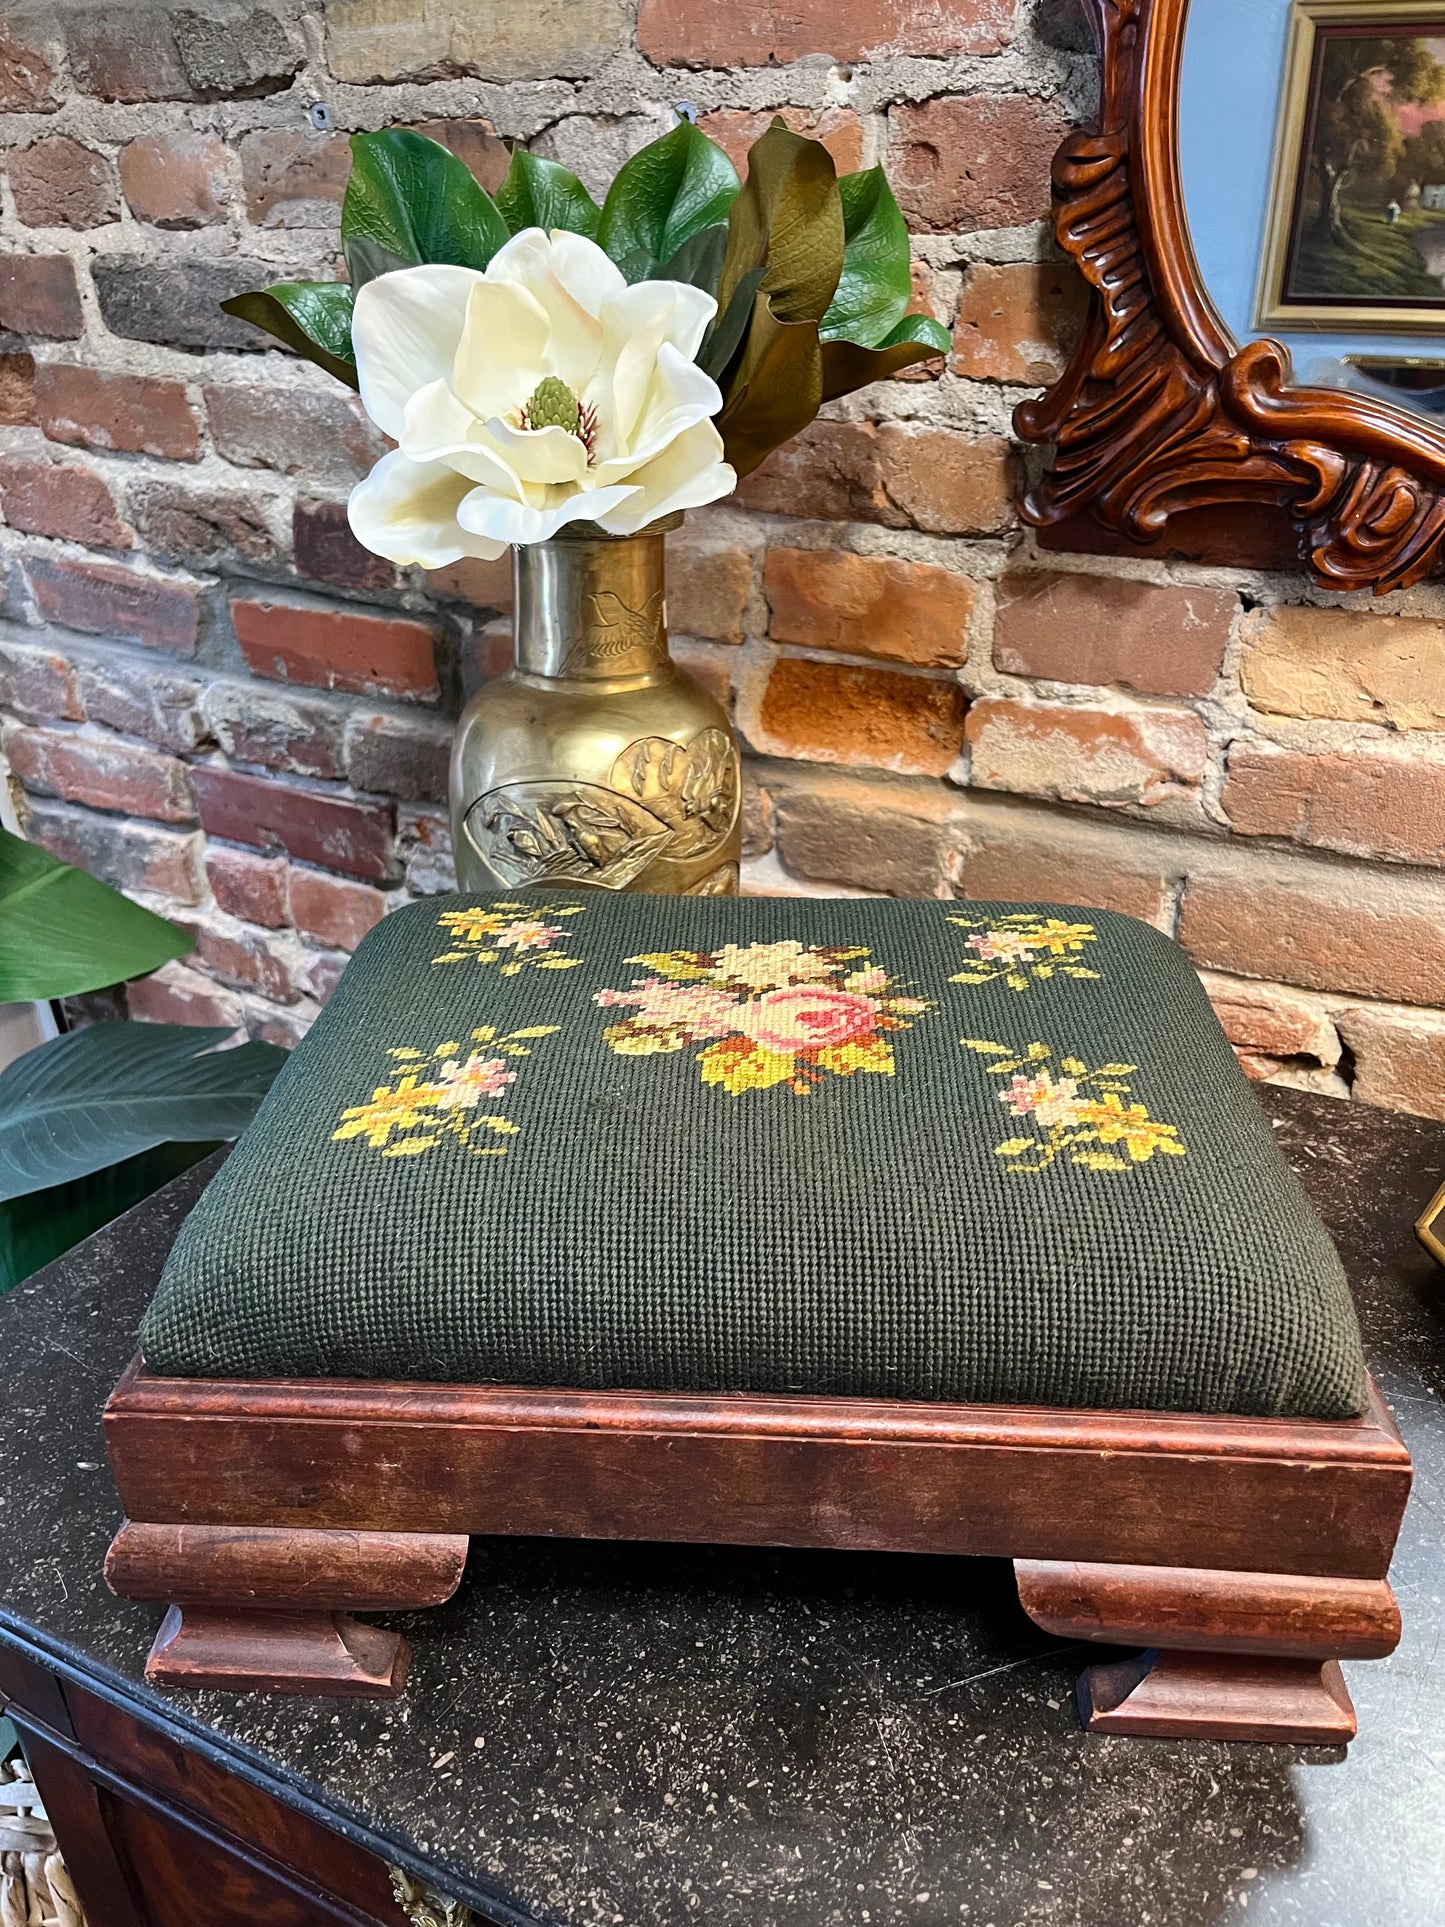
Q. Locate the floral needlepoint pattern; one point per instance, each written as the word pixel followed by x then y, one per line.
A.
pixel 768 1013
pixel 1022 946
pixel 437 1099
pixel 505 934
pixel 1084 1115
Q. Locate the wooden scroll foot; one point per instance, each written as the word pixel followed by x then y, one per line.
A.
pixel 321 1653
pixel 1233 1655
pixel 1209 1696
pixel 267 1609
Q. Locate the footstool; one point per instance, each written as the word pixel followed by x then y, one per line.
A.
pixel 926 1226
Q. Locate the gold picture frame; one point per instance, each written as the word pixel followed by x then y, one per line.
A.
pixel 1431 1224
pixel 1275 306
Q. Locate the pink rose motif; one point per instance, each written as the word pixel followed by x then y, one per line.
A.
pixel 533 935
pixel 807 1017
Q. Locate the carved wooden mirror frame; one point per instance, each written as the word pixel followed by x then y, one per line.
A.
pixel 1158 412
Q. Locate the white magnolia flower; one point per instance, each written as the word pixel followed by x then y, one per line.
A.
pixel 541 392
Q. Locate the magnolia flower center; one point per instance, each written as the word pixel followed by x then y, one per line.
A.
pixel 552 404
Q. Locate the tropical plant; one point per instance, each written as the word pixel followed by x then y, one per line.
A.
pixel 87 1121
pixel 809 274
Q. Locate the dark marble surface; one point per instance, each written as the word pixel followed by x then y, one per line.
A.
pixel 648 1735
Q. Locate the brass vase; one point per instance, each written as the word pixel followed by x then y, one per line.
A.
pixel 595 760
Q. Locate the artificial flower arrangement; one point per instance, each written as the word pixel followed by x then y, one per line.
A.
pixel 541 361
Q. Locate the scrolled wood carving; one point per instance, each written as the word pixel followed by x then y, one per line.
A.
pixel 1158 411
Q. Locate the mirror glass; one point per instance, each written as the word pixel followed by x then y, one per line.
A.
pixel 1312 154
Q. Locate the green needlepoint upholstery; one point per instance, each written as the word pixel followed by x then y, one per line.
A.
pixel 977 1152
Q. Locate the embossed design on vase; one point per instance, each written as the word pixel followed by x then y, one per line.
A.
pixel 595 760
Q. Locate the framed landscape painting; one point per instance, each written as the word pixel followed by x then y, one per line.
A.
pixel 1355 237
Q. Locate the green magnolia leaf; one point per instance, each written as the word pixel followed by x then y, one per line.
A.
pixel 411 198
pixel 788 217
pixel 780 391
pixel 669 191
pixel 874 287
pixel 62 933
pixel 538 193
pixel 311 317
pixel 89 1099
pixel 44 1224
pixel 699 260
pixel 725 330
pixel 918 337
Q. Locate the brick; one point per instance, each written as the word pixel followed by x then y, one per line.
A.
pixel 476 146
pixel 487 652
pixel 234 50
pixel 132 696
pixel 175 995
pixel 397 756
pixel 1146 758
pixel 129 855
pixel 486 585
pixel 283 1028
pixel 135 414
pixel 370 40
pixel 1363 805
pixel 1234 535
pixel 71 504
pixel 326 437
pixel 332 911
pixel 757 815
pixel 838 128
pixel 424 845
pixel 202 528
pixel 17 390
pixel 1272 1027
pixel 934 479
pixel 39 296
pixel 178 303
pixel 1399 1059
pixel 324 973
pixel 1325 929
pixel 1037 859
pixel 829 713
pixel 327 551
pixel 295 178
pixel 250 887
pixel 313 826
pixel 973 161
pixel 176 180
pixel 106 600
pixel 29 59
pixel 767 33
pixel 38 684
pixel 259 726
pixel 126 54
pixel 1104 629
pixel 708 585
pixel 893 838
pixel 336 648
pixel 1018 321
pixel 708 663
pixel 1345 665
pixel 62 183
pixel 242 958
pixel 102 772
pixel 868 605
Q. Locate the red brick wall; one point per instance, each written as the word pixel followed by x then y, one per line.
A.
pixel 211 696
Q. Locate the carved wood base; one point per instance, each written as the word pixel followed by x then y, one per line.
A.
pixel 276 1652
pixel 1211 1696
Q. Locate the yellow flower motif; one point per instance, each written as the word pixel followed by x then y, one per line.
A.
pixel 502 933
pixel 1022 946
pixel 423 1107
pixel 1079 1115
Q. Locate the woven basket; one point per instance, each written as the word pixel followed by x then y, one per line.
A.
pixel 35 1889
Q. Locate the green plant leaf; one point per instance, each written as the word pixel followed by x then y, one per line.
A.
pixel 725 330
pixel 699 260
pixel 89 1099
pixel 877 280
pixel 779 391
pixel 62 933
pixel 44 1224
pixel 538 193
pixel 313 318
pixel 918 337
pixel 789 217
pixel 670 190
pixel 413 199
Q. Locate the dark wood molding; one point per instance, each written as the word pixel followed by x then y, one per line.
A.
pixel 1158 412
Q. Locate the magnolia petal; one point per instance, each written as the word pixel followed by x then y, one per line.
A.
pixel 687 474
pixel 404 329
pixel 680 395
pixel 532 260
pixel 503 350
pixel 496 519
pixel 408 512
pixel 548 455
pixel 436 427
pixel 683 310
pixel 587 274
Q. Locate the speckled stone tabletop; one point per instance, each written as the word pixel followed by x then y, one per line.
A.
pixel 644 1735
